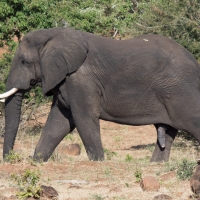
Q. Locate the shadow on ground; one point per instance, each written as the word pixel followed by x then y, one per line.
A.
pixel 142 146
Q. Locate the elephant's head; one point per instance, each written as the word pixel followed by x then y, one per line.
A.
pixel 44 57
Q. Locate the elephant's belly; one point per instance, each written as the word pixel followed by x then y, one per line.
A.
pixel 137 120
pixel 146 112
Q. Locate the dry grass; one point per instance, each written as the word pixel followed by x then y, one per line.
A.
pixel 112 179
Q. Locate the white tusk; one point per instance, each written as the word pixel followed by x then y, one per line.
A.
pixel 2 100
pixel 9 93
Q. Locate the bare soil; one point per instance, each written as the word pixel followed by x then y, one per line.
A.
pixel 132 148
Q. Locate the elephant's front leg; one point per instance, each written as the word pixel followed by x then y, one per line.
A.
pixel 89 131
pixel 85 111
pixel 58 125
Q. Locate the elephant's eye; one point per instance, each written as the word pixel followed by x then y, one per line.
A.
pixel 23 62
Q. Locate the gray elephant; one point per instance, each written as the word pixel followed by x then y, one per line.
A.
pixel 146 80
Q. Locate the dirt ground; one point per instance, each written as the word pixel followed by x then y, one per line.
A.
pixel 113 179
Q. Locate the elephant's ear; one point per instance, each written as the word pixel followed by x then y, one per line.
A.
pixel 62 54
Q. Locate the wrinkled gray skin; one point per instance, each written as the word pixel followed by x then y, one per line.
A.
pixel 146 80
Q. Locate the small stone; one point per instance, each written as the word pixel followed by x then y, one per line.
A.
pixel 49 192
pixel 149 183
pixel 195 182
pixel 73 149
pixel 167 176
pixel 162 197
pixel 74 186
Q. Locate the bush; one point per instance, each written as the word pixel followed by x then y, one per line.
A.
pixel 176 19
pixel 128 158
pixel 13 157
pixel 138 175
pixel 186 136
pixel 28 184
pixel 185 169
pixel 109 154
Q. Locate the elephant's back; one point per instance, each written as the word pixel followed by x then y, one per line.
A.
pixel 144 45
pixel 148 55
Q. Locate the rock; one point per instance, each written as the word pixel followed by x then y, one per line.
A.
pixel 74 186
pixel 48 192
pixel 195 182
pixel 162 197
pixel 167 176
pixel 149 183
pixel 73 149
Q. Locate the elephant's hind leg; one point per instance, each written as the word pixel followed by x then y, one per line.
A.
pixel 162 154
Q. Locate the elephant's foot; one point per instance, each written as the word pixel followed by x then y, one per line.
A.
pixel 95 155
pixel 162 154
pixel 38 157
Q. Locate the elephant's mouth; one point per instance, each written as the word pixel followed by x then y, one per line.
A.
pixel 35 82
pixel 12 91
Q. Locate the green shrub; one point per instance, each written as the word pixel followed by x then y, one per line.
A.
pixel 13 157
pixel 97 197
pixel 128 158
pixel 28 184
pixel 186 136
pixel 170 166
pixel 176 19
pixel 109 154
pixel 185 169
pixel 138 175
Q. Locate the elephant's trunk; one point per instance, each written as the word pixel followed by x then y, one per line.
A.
pixel 12 118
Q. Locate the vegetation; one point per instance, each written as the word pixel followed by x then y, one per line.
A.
pixel 28 184
pixel 138 175
pixel 97 197
pixel 176 19
pixel 128 158
pixel 185 169
pixel 13 157
pixel 109 154
pixel 188 137
pixel 170 166
pixel 111 18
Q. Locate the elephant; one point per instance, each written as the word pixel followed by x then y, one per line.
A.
pixel 149 79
